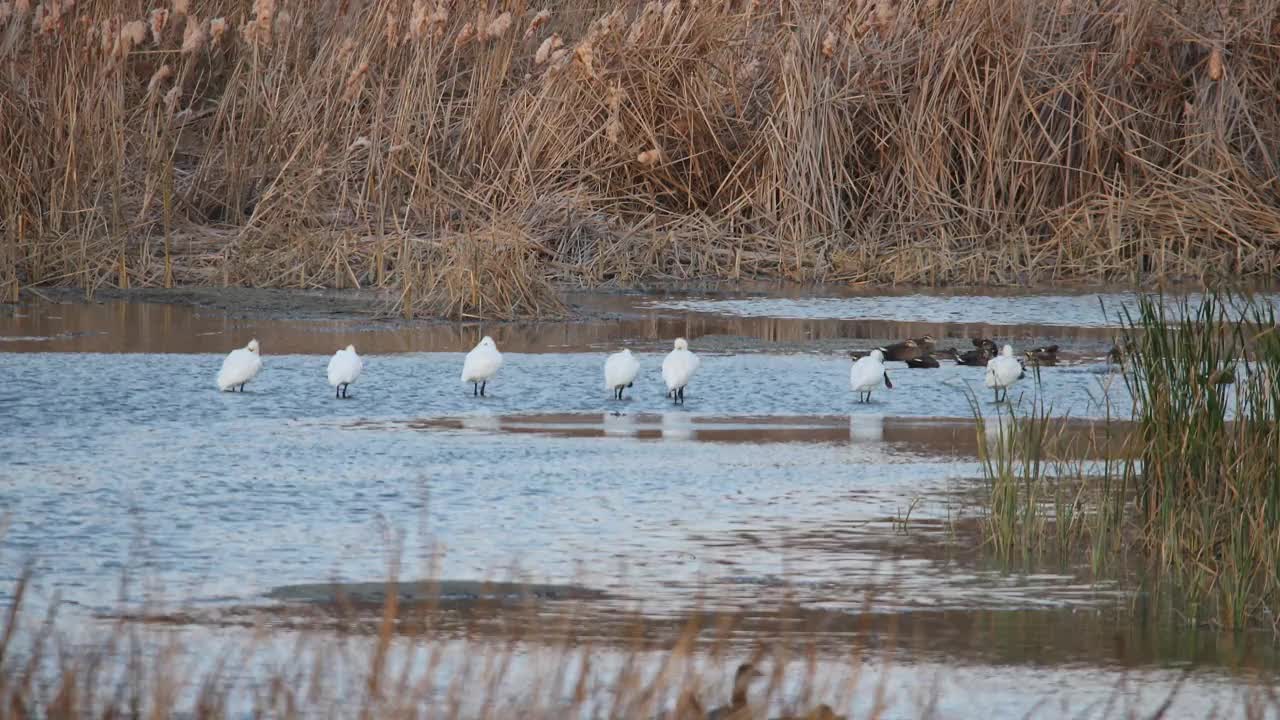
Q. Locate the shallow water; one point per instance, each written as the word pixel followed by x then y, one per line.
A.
pixel 1046 310
pixel 770 483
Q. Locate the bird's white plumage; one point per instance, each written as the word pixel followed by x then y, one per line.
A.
pixel 867 372
pixel 482 362
pixel 240 366
pixel 345 366
pixel 620 370
pixel 679 366
pixel 1004 369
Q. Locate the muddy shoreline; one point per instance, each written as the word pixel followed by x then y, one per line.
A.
pixel 582 305
pixel 309 322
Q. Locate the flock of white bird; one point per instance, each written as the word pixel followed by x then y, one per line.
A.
pixel 620 370
pixel 868 373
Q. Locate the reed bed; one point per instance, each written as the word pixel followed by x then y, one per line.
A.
pixel 392 659
pixel 376 143
pixel 1193 492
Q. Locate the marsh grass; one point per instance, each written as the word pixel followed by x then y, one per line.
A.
pixel 1195 489
pixel 391 657
pixel 358 143
pixel 1208 483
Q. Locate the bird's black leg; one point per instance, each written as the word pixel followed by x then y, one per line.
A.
pixel 345 387
pixel 681 396
pixel 482 384
pixel 337 391
pixel 475 389
pixel 241 387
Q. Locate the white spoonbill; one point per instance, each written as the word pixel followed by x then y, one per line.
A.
pixel 677 369
pixel 239 367
pixel 1004 370
pixel 867 373
pixel 481 363
pixel 344 367
pixel 620 371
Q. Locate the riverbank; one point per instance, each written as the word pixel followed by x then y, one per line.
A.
pixel 747 318
pixel 469 162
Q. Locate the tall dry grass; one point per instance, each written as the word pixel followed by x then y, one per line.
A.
pixel 423 146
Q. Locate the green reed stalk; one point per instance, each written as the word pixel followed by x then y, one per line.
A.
pixel 1207 467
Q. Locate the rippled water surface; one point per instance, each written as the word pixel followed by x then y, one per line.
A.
pixel 1079 309
pixel 771 482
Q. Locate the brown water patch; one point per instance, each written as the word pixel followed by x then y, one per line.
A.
pixel 1108 636
pixel 941 437
pixel 320 322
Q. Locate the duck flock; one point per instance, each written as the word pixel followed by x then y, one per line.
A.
pixel 678 367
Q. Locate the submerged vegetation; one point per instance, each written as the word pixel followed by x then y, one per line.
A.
pixel 1193 488
pixel 467 158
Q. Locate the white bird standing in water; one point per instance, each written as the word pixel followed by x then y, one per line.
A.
pixel 239 367
pixel 677 369
pixel 344 367
pixel 481 363
pixel 1002 371
pixel 867 373
pixel 620 371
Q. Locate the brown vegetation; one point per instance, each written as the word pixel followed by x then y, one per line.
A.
pixel 468 157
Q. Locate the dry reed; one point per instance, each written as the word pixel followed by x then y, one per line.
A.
pixel 871 142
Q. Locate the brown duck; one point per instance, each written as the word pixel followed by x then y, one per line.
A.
pixel 908 349
pixel 926 360
pixel 1044 355
pixel 738 707
pixel 977 357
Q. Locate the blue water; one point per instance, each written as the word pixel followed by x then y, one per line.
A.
pixel 137 460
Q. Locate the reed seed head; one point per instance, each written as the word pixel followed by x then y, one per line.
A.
pixel 217 27
pixel 132 35
pixel 548 46
pixel 538 21
pixel 584 55
pixel 264 12
pixel 439 19
pixel 465 36
pixel 159 21
pixel 419 20
pixel 355 82
pixel 171 99
pixel 162 74
pixel 649 158
pixel 193 36
pixel 497 28
pixel 45 21
pixel 391 30
pixel 1215 64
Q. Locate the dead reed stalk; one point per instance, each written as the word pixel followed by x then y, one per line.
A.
pixel 1033 141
